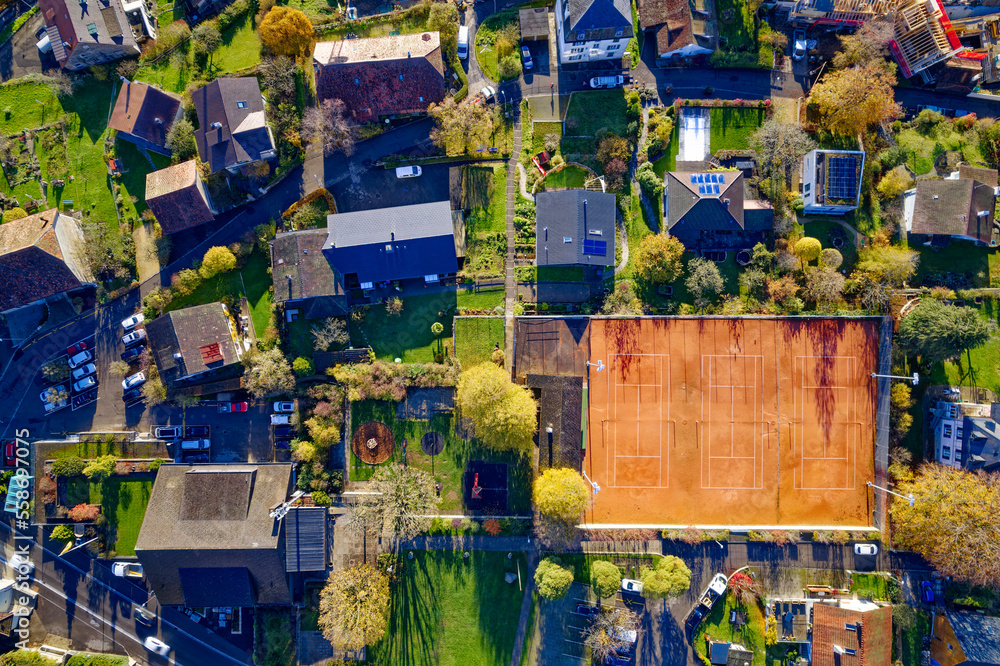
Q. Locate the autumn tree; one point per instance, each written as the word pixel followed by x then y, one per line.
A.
pixel 100 468
pixel 622 300
pixel 118 369
pixel 745 589
pixel 658 258
pixel 868 45
pixel 443 18
pixel 894 184
pixel 180 141
pixel 608 633
pixel 605 578
pixel 502 412
pixel 849 100
pixel 460 128
pixel 154 392
pixel 218 259
pixel 891 264
pixel 936 332
pixel 268 372
pixel 286 31
pixel 704 280
pixel 552 578
pixel 807 249
pixel 780 146
pixel 328 125
pixel 206 39
pixel 952 522
pixel 669 578
pixel 397 502
pixel 277 73
pixel 824 285
pixel 354 607
pixel 562 493
pixel 831 258
pixel 63 533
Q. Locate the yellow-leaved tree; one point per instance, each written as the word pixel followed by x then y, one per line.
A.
pixel 354 607
pixel 852 99
pixel 561 493
pixel 286 31
pixel 502 412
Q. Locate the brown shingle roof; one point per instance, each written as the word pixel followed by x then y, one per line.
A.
pixel 240 135
pixel 381 75
pixel 961 207
pixel 710 211
pixel 300 270
pixel 871 640
pixel 33 264
pixel 176 197
pixel 982 174
pixel 145 112
pixel 176 339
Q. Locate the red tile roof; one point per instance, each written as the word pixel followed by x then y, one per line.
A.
pixel 871 640
pixel 145 112
pixel 32 261
pixel 176 198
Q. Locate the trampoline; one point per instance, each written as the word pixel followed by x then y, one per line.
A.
pixel 485 486
pixel 373 442
pixel 432 443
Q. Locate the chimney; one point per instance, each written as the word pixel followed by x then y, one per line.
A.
pixel 392 236
pixel 407 54
pixel 585 213
pixel 158 121
pixel 726 202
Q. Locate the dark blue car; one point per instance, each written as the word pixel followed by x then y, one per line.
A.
pixel 927 592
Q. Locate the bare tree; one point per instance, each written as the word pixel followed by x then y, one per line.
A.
pixel 870 44
pixel 460 128
pixel 824 285
pixel 399 499
pixel 333 331
pixel 329 126
pixel 608 633
pixel 780 146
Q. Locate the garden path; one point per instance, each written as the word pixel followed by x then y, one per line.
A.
pixel 522 179
pixel 510 280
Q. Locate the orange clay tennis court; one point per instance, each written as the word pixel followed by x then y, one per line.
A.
pixel 714 421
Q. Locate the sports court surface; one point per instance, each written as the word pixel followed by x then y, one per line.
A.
pixel 714 421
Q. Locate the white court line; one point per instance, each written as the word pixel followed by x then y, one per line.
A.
pixel 756 418
pixel 852 427
pixel 611 461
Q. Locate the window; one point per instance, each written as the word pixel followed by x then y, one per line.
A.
pixel 400 77
pixel 578 49
pixel 850 651
pixel 595 232
pixel 241 105
pixel 807 188
pixel 421 98
pixel 946 453
pixel 595 247
pixel 356 80
pixel 947 430
pixel 958 432
pixel 850 627
pixel 581 36
pixel 613 47
pixel 619 32
pixel 575 57
pixel 388 247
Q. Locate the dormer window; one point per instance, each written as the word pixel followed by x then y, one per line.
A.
pixel 241 105
pixel 595 232
pixel 400 77
pixel 356 80
pixel 567 239
pixel 581 36
pixel 619 32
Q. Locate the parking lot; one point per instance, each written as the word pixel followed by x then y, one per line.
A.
pixel 381 189
pixel 236 437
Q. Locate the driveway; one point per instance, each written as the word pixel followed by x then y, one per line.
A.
pixel 236 437
pixel 20 56
pixel 381 189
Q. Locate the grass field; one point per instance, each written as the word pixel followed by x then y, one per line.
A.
pixel 570 177
pixel 739 29
pixel 750 635
pixel 540 129
pixel 668 162
pixel 475 338
pixel 407 336
pixel 731 128
pixel 924 147
pixel 975 262
pixel 123 502
pixel 821 228
pixel 486 224
pixel 133 183
pixel 240 48
pixel 593 110
pixel 448 467
pixel 872 586
pixel 980 367
pixel 450 611
pixel 88 450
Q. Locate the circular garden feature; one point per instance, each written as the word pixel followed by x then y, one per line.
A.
pixel 373 442
pixel 432 443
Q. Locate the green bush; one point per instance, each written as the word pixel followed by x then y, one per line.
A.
pixel 155 465
pixel 97 660
pixel 63 533
pixel 303 367
pixel 72 466
pixel 321 498
pixel 21 658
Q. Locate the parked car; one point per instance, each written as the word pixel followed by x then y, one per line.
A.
pixel 131 395
pixel 154 644
pixel 232 407
pixel 588 610
pixel 188 457
pixel 76 349
pixel 283 444
pixel 80 359
pixel 81 399
pixel 144 616
pixel 84 370
pixel 10 453
pixel 488 93
pixel 526 57
pixel 617 660
pixel 408 171
pixel 134 381
pixel 131 354
pixel 135 337
pixel 284 431
pixel 799 45
pixel 865 549
pixel 463 42
pixel 167 432
pixel 631 585
pixel 196 445
pixel 607 81
pixel 131 322
pixel 85 383
pixel 284 407
pixel 927 592
pixel 130 569
pixel 952 393
pixel 694 619
pixel 281 419
pixel 196 431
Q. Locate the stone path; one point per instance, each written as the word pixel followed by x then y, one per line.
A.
pixel 522 177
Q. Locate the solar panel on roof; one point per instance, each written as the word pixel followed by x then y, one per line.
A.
pixel 701 189
pixel 715 189
pixel 694 179
pixel 841 177
pixel 713 177
pixel 595 247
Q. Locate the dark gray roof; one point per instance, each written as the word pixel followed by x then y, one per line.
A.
pixel 961 207
pixel 979 636
pixel 177 339
pixel 561 407
pixel 684 204
pixel 574 215
pixel 300 270
pixel 236 106
pixel 600 17
pixel 239 533
pixel 218 586
pixel 980 444
pixel 393 243
pixel 305 539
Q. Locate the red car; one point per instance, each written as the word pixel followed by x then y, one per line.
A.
pixel 76 349
pixel 227 407
pixel 10 453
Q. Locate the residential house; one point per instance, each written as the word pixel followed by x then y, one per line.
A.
pixel 965 639
pixel 591 30
pixel 679 27
pixel 304 279
pixel 724 653
pixel 707 211
pixel 82 33
pixel 851 633
pixel 575 227
pixel 194 345
pixel 178 197
pixel 831 181
pixel 966 435
pixel 41 256
pixel 959 207
pixel 922 34
pixel 380 77
pixel 386 244
pixel 143 114
pixel 233 130
pixel 210 537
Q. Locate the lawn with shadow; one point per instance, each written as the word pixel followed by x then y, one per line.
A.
pixel 123 502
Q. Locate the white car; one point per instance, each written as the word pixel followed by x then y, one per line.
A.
pixel 135 337
pixel 84 370
pixel 122 569
pixel 284 407
pixel 865 549
pixel 607 81
pixel 167 432
pixel 154 644
pixel 631 585
pixel 488 92
pixel 280 419
pixel 133 321
pixel 81 358
pixel 21 564
pixel 138 379
pixel 408 171
pixel 84 384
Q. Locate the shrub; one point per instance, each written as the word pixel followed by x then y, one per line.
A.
pixel 552 578
pixel 155 465
pixel 63 533
pixel 15 213
pixel 321 498
pixel 72 466
pixel 84 513
pixel 303 367
pixel 492 527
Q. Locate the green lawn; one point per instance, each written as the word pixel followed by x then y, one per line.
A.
pixel 475 338
pixel 971 260
pixel 924 147
pixel 668 162
pixel 873 586
pixel 486 299
pixel 731 128
pixel 591 111
pixel 449 611
pixel 485 50
pixel 320 11
pixel 240 48
pixel 133 182
pixel 735 24
pixel 90 449
pixel 486 223
pixel 716 624
pixel 449 466
pixel 728 269
pixel 821 228
pixel 123 502
pixel 550 273
pixel 540 129
pixel 981 367
pixel 570 176
pixel 407 336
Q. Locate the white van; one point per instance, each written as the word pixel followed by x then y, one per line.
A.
pixel 463 42
pixel 408 172
pixel 195 445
